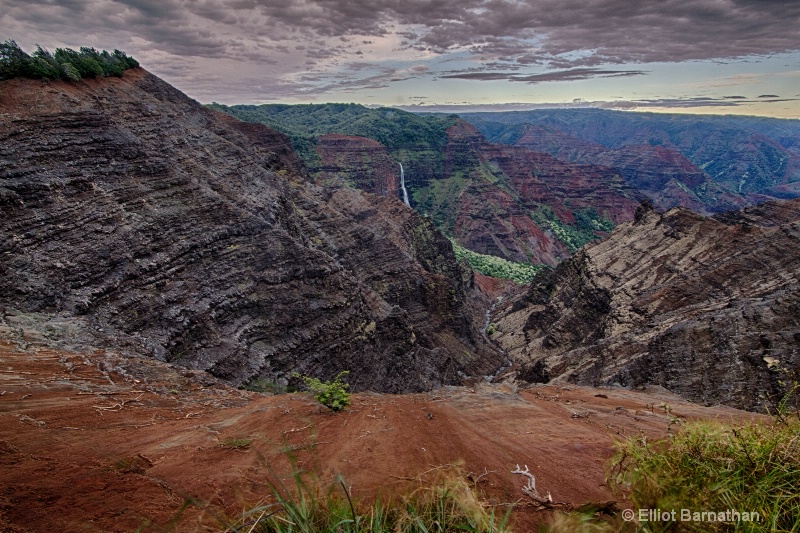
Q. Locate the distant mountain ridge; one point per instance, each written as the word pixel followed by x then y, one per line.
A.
pixel 533 187
pixel 753 156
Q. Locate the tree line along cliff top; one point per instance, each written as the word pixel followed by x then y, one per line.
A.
pixel 65 64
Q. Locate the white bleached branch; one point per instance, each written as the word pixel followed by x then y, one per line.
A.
pixel 530 488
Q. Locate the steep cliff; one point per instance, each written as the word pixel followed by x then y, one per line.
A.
pixel 662 173
pixel 163 228
pixel 493 199
pixel 744 155
pixel 706 308
pixel 519 204
pixel 359 162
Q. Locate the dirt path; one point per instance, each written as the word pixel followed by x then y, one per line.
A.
pixel 96 442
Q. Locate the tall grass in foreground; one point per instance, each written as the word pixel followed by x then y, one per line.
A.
pixel 448 505
pixel 704 467
pixel 707 467
pixel 753 468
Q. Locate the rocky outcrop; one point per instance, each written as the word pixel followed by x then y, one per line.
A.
pixel 745 156
pixel 663 174
pixel 706 308
pixel 359 162
pixel 168 230
pixel 510 201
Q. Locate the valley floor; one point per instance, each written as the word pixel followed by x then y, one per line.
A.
pixel 99 442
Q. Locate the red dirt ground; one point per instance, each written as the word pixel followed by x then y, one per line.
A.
pixel 98 442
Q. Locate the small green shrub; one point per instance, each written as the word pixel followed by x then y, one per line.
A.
pixel 236 444
pixel 331 394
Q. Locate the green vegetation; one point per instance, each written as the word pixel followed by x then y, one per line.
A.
pixel 65 64
pixel 440 199
pixel 447 504
pixel 752 468
pixel 720 469
pixel 589 225
pixel 331 394
pixel 236 444
pixel 424 136
pixel 497 267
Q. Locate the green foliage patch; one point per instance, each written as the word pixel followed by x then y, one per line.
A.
pixel 65 63
pixel 497 267
pixel 589 225
pixel 304 124
pixel 331 394
pixel 753 468
pixel 236 443
pixel 447 504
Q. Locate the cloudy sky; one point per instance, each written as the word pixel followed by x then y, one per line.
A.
pixel 709 56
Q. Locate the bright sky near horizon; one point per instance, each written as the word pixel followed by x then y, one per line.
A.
pixel 695 56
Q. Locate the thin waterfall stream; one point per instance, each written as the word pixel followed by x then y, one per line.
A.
pixel 403 184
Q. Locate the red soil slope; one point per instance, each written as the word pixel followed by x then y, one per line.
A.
pixel 98 442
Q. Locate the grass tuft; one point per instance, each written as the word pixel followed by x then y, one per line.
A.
pixel 713 467
pixel 448 505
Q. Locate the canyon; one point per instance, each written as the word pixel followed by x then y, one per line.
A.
pixel 533 187
pixel 152 224
pixel 134 218
pixel 166 269
pixel 706 308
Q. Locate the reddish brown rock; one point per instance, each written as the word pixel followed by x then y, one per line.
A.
pixel 506 186
pixel 101 443
pixel 662 173
pixel 360 162
pixel 706 308
pixel 149 223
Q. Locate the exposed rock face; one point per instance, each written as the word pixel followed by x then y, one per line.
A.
pixel 493 199
pixel 662 173
pixel 184 235
pixel 709 309
pixel 361 162
pixel 749 156
pixel 493 192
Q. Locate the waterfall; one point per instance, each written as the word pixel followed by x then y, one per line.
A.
pixel 403 184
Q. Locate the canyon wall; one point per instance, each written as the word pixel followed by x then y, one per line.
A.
pixel 707 308
pixel 159 227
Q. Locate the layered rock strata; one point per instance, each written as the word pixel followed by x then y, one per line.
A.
pixel 359 162
pixel 706 308
pixel 503 189
pixel 171 231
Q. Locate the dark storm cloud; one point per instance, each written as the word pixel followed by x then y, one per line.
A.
pixel 513 40
pixel 684 103
pixel 617 31
pixel 164 23
pixel 562 75
pixel 530 32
